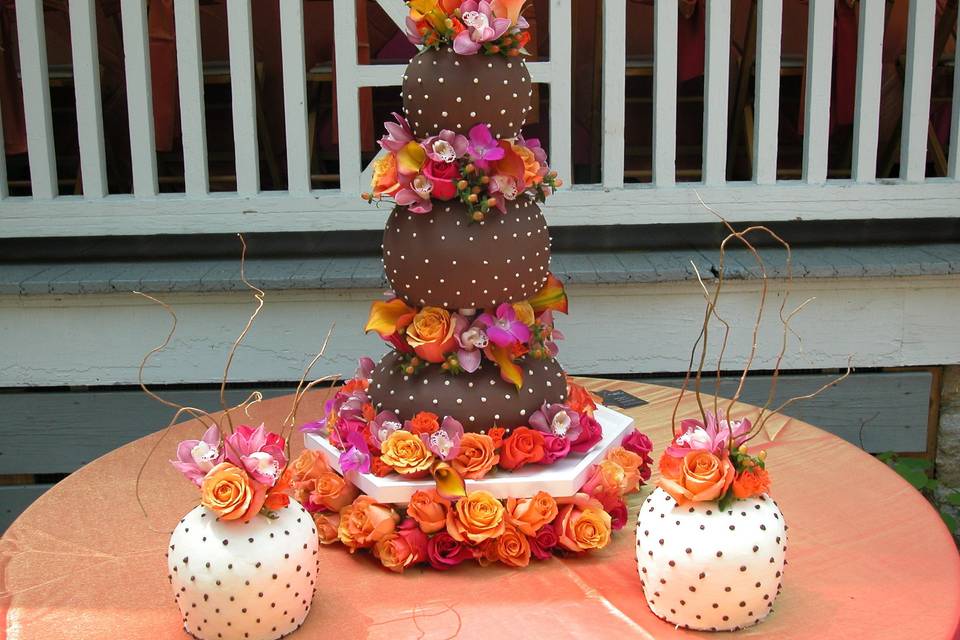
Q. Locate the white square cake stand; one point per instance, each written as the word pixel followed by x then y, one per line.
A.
pixel 563 478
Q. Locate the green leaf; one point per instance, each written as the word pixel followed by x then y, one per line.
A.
pixel 886 456
pixel 915 477
pixel 932 484
pixel 914 463
pixel 726 500
pixel 954 498
pixel 950 521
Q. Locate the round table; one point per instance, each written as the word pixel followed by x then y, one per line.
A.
pixel 868 557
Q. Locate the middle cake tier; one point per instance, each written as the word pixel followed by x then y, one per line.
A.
pixel 443 259
pixel 478 400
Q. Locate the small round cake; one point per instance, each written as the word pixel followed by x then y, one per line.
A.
pixel 478 400
pixel 711 570
pixel 444 259
pixel 443 90
pixel 234 580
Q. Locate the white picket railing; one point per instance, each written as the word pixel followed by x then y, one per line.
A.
pixel 198 210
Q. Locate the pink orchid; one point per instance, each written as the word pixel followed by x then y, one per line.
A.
pixel 414 193
pixel 549 333
pixel 413 34
pixel 714 436
pixel 196 457
pixel 472 340
pixel 557 420
pixel 385 423
pixel 257 451
pixel 481 26
pixel 504 329
pixel 483 146
pixel 398 134
pixel 445 441
pixel 365 368
pixel 357 457
pixel 446 146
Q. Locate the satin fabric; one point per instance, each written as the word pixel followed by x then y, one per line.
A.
pixel 867 556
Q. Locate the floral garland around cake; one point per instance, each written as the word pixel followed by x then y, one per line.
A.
pixel 442 531
pixel 709 461
pixel 458 343
pixel 469 26
pixel 428 444
pixel 477 169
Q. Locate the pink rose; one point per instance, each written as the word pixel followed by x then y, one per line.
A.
pixel 590 434
pixel 444 552
pixel 618 515
pixel 541 546
pixel 554 448
pixel 639 443
pixel 444 177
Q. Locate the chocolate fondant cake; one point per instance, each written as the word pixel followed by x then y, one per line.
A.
pixel 468 265
pixel 466 249
pixel 442 90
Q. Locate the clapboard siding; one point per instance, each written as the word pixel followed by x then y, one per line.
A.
pixel 875 411
pixel 13 500
pixel 57 432
pixel 60 431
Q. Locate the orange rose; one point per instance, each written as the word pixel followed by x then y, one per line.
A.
pixel 384 181
pixel 630 462
pixel 355 384
pixel 670 466
pixel 703 477
pixel 431 334
pixel 487 553
pixel 424 423
pixel 579 399
pixel 531 168
pixel 278 495
pixel 308 465
pixel 228 491
pixel 405 453
pixel 327 525
pixel 429 509
pixel 529 515
pixel 330 491
pixel 365 522
pixel 522 447
pixel 475 518
pixel 477 456
pixel 751 483
pixel 496 434
pixel 582 523
pixel 379 468
pixel 513 548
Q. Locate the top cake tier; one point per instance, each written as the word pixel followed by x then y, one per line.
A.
pixel 445 90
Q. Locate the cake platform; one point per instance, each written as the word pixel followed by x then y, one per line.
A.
pixel 563 478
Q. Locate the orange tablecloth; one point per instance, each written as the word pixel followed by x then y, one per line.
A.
pixel 868 558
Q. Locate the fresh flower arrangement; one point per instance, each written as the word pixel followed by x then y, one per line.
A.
pixel 457 343
pixel 441 530
pixel 428 444
pixel 240 475
pixel 709 461
pixel 477 169
pixel 469 26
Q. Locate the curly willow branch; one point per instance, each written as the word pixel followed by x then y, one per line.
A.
pixel 291 417
pixel 259 295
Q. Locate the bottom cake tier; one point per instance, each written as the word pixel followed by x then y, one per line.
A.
pixel 478 400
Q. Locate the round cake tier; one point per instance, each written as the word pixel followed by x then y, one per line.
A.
pixel 479 400
pixel 443 90
pixel 444 259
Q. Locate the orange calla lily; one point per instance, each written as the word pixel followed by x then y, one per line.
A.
pixel 450 484
pixel 509 371
pixel 552 296
pixel 508 9
pixel 386 317
pixel 410 158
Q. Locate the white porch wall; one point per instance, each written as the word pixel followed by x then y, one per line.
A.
pixel 99 339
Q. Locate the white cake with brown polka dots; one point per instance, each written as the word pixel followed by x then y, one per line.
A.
pixel 706 569
pixel 244 581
